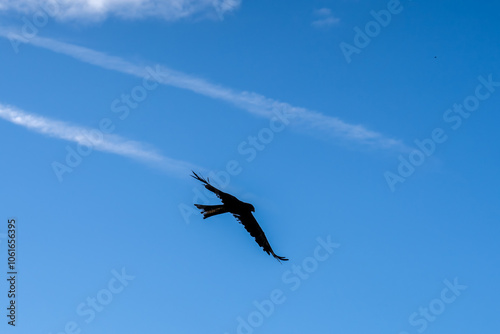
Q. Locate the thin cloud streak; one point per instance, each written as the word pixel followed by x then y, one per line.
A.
pixel 99 10
pixel 95 139
pixel 325 19
pixel 303 119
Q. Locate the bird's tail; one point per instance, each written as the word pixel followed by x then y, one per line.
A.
pixel 211 210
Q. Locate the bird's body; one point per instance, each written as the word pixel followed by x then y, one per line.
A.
pixel 240 210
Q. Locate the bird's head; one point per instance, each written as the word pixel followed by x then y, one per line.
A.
pixel 250 207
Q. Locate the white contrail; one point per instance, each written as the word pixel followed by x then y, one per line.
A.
pixel 303 119
pixel 95 139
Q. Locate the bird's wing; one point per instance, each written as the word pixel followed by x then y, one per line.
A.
pixel 225 197
pixel 251 225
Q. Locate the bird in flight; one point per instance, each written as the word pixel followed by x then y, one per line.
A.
pixel 240 210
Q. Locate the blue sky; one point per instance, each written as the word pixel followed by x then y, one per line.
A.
pixel 364 133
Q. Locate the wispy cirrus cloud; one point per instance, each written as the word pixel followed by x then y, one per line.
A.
pixel 97 10
pixel 303 119
pixel 325 18
pixel 95 139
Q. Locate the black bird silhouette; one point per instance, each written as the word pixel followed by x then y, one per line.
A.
pixel 240 210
